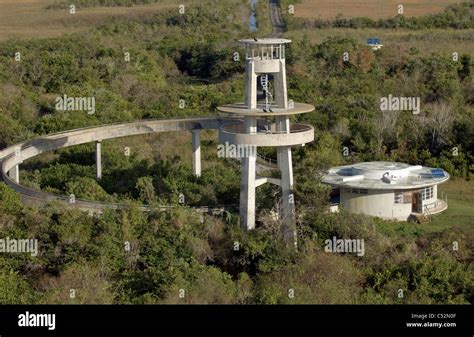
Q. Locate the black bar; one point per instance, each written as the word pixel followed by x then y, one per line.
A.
pixel 216 320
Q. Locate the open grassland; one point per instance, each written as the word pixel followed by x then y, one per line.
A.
pixel 374 9
pixel 31 19
pixel 426 41
pixel 459 215
pixel 460 194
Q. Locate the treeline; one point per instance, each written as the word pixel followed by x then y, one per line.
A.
pixel 171 58
pixel 457 16
pixel 101 3
pixel 347 95
pixel 190 57
pixel 178 257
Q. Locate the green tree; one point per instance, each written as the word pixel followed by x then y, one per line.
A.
pixel 15 290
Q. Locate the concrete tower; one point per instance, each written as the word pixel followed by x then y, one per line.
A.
pixel 264 120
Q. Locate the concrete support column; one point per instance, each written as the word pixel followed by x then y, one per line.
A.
pixel 98 159
pixel 247 181
pixel 281 95
pixel 14 174
pixel 250 85
pixel 196 152
pixel 286 167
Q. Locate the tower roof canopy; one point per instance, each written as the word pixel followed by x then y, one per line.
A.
pixel 264 41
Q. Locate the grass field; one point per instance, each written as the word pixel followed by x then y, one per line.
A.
pixel 30 19
pixel 397 41
pixel 460 204
pixel 375 9
pixel 460 213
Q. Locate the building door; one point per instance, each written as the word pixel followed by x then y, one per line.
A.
pixel 415 202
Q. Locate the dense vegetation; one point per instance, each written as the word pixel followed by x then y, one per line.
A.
pixel 134 257
pixel 101 3
pixel 175 250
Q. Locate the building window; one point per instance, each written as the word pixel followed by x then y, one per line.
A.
pixel 407 197
pixel 398 197
pixel 427 193
pixel 360 191
pixel 403 197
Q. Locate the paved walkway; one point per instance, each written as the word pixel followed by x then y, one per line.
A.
pixel 277 21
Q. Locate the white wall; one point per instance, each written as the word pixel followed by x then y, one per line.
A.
pixel 379 203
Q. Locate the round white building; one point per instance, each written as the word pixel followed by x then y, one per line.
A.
pixel 388 190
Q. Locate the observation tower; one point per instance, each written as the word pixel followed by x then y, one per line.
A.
pixel 263 120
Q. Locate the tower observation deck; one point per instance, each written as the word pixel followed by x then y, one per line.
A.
pixel 263 119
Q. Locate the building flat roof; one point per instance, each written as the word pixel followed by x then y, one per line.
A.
pixel 380 175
